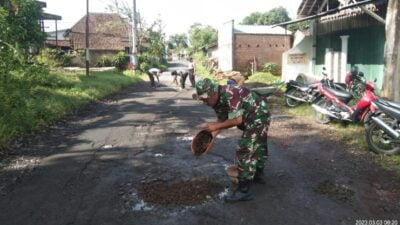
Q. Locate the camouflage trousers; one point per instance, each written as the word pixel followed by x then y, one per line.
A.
pixel 253 151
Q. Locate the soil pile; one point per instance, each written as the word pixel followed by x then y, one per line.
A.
pixel 181 193
pixel 201 142
pixel 335 191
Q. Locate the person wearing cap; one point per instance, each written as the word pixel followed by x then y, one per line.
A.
pixel 238 106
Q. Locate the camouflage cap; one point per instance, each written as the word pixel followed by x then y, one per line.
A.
pixel 205 88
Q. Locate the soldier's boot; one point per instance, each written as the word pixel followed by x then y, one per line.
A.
pixel 240 193
pixel 259 176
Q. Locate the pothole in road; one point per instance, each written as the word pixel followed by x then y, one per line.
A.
pixel 336 191
pixel 180 193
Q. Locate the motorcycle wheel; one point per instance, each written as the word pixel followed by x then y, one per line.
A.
pixel 319 117
pixel 289 102
pixel 381 143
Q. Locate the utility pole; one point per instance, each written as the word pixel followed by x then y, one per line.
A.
pixel 87 37
pixel 134 35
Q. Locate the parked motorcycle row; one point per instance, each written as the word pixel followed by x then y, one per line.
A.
pixel 331 101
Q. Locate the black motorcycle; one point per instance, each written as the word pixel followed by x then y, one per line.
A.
pixel 383 134
pixel 297 93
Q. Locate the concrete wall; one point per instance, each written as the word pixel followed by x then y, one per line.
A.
pixel 264 48
pixel 225 46
pixel 302 46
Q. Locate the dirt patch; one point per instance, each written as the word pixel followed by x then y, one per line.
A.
pixel 335 191
pixel 201 142
pixel 180 193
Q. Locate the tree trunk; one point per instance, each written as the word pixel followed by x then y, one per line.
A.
pixel 391 83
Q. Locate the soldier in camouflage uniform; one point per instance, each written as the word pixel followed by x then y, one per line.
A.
pixel 237 106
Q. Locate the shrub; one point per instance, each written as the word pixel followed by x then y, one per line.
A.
pixel 55 57
pixel 120 61
pixel 272 68
pixel 67 59
pixel 147 61
pixel 104 61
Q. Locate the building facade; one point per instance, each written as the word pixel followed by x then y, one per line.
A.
pixel 246 48
pixel 338 39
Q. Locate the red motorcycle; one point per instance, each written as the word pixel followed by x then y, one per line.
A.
pixel 334 105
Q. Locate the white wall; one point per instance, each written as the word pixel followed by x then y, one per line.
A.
pixel 225 46
pixel 302 45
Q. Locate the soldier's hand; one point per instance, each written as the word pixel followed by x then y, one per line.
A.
pixel 211 127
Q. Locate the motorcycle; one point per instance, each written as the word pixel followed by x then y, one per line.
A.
pixel 297 93
pixel 383 135
pixel 333 104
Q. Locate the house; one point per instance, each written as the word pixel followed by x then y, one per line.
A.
pixel 58 39
pixel 247 48
pixel 342 33
pixel 108 35
pixel 212 50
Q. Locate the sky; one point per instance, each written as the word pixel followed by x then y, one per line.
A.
pixel 177 15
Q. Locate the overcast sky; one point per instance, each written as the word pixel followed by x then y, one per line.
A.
pixel 177 15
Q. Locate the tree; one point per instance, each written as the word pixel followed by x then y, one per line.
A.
pixel 121 7
pixel 253 19
pixel 152 44
pixel 19 31
pixel 178 41
pixel 19 25
pixel 391 83
pixel 274 16
pixel 153 50
pixel 201 36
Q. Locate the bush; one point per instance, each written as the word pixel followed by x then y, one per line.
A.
pixel 104 61
pixel 272 68
pixel 55 57
pixel 147 61
pixel 67 59
pixel 120 61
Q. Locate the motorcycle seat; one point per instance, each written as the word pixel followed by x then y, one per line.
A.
pixel 340 93
pixel 387 107
pixel 394 104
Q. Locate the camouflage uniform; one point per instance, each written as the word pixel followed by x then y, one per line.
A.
pixel 236 101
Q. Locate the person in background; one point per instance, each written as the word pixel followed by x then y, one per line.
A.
pixel 191 70
pixel 183 74
pixel 175 77
pixel 154 72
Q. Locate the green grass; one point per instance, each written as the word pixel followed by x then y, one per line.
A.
pixel 28 106
pixel 353 135
pixel 262 77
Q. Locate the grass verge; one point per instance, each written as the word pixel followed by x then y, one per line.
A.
pixel 27 107
pixel 353 135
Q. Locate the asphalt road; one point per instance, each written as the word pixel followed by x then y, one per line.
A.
pixel 89 168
